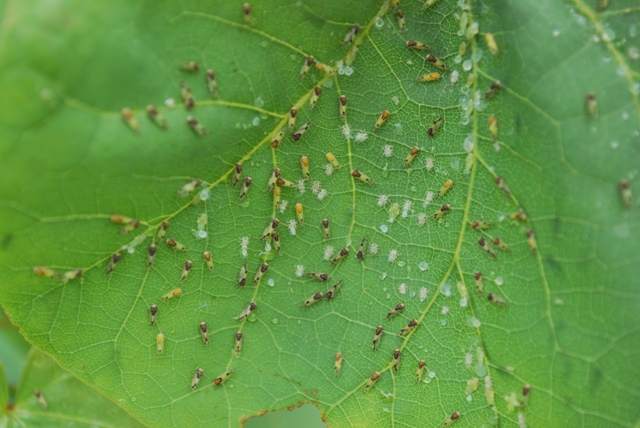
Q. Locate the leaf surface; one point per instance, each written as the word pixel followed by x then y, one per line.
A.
pixel 569 327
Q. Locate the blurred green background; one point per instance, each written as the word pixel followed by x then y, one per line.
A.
pixel 13 354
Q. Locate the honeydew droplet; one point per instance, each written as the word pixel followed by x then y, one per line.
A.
pixel 379 22
pixel 202 234
pixel 402 263
pixel 274 321
pixel 271 282
pixel 252 318
pixel 466 66
pixel 384 228
pixel 499 281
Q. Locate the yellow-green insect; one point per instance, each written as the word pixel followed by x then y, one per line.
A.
pixel 372 381
pixel 395 363
pixel 395 311
pixel 625 193
pixel 484 244
pixel 341 255
pixel 313 299
pixel 260 273
pixel 436 62
pixel 306 66
pixel 362 249
pixel 318 276
pixel 277 139
pixel 242 277
pixel 153 312
pixel 526 393
pixel 435 126
pixel 592 106
pixel 160 344
pixel 382 119
pixel 300 214
pixel 503 186
pixel 501 245
pixel 157 117
pixel 342 104
pixel 304 165
pixel 496 300
pixel 301 131
pixel 401 21
pixel 394 212
pixel 212 83
pixel 314 97
pixel 247 311
pixel 197 127
pixel 188 188
pixel 293 115
pixel 196 378
pixel 493 127
pixel 285 183
pixel 602 5
pixel 245 187
pixel 151 255
pixel 238 346
pixel 448 185
pixel 428 4
pixel 326 229
pixel 130 119
pixel 185 271
pixel 162 231
pixel 223 377
pixel 495 85
pixel 430 77
pixel 410 326
pixel 361 176
pixel 338 363
pixel 187 96
pixel 273 179
pixel 276 242
pixel 451 419
pixel 531 240
pixel 44 271
pixel 129 227
pixel 276 196
pixel 115 258
pixel 71 275
pixel 175 292
pixel 411 156
pixel 41 400
pixel 519 216
pixel 412 44
pixel 481 225
pixel 331 158
pixel 246 12
pixel 271 227
pixel 331 293
pixel 376 337
pixel 208 260
pixel 175 245
pixel 204 332
pixel 479 282
pixel 190 66
pixel 441 212
pixel 420 371
pixel 351 35
pixel 491 44
pixel 326 68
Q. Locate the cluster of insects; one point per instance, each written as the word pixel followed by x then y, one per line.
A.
pixel 491 245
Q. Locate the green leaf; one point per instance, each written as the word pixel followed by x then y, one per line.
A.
pixel 4 390
pixel 65 401
pixel 69 162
